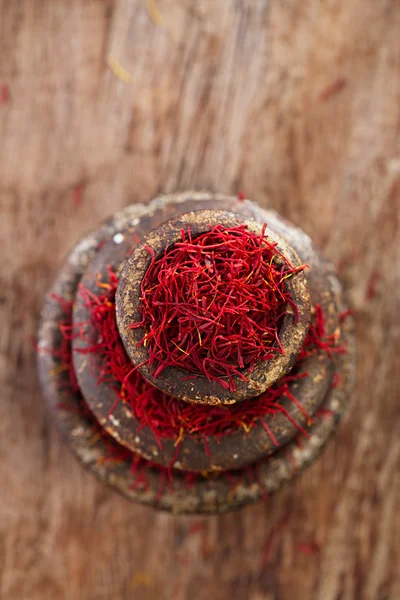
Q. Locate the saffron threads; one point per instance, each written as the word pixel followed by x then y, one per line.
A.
pixel 140 468
pixel 335 380
pixel 154 12
pixel 4 93
pixel 345 314
pixel 197 527
pixel 273 538
pixel 118 69
pixel 77 194
pixel 164 415
pixel 317 337
pixel 64 351
pixel 141 579
pixel 309 548
pixel 372 285
pixel 113 452
pixel 324 413
pixel 333 88
pixel 145 474
pixel 213 305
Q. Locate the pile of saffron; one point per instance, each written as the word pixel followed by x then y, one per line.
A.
pixel 113 452
pixel 213 305
pixel 164 415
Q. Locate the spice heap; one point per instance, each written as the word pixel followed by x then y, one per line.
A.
pixel 214 305
pixel 166 416
pixel 113 452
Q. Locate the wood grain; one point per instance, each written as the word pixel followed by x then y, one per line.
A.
pixel 227 95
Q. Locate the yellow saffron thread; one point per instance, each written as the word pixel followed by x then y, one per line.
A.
pixel 59 369
pixel 119 70
pixel 179 438
pixel 154 13
pixel 141 579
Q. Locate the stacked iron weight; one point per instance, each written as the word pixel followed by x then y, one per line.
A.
pixel 240 467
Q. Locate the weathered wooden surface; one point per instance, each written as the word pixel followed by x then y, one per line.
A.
pixel 298 105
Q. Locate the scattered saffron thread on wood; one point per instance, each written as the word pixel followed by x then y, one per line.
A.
pixel 154 12
pixel 334 88
pixel 77 194
pixel 372 285
pixel 213 305
pixel 4 94
pixel 241 196
pixel 141 579
pixel 184 561
pixel 176 590
pixel 118 69
pixel 309 548
pixel 197 527
pixel 272 539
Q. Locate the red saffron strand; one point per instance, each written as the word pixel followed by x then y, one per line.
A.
pixel 372 285
pixel 333 88
pixel 214 305
pixel 197 527
pixel 273 538
pixel 345 314
pixel 4 94
pixel 77 194
pixel 309 548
